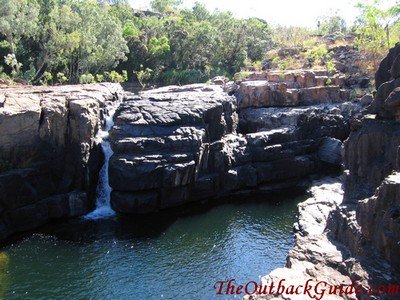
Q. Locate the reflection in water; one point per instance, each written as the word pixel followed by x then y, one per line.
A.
pixel 4 278
pixel 153 258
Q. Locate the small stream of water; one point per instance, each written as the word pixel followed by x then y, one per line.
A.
pixel 103 208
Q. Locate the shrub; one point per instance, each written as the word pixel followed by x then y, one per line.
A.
pixel 61 78
pixel 46 78
pixel 116 77
pixel 183 77
pixel 330 66
pixel 86 78
pixel 143 76
pixel 99 78
pixel 317 54
pixel 240 76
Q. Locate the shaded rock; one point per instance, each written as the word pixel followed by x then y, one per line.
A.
pixel 383 74
pixel 330 151
pixel 366 100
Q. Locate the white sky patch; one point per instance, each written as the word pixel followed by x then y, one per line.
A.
pixel 280 12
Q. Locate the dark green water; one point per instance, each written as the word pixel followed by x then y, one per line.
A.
pixel 178 258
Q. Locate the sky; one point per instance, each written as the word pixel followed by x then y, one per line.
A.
pixel 280 12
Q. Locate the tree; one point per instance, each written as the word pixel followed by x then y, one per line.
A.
pixel 164 6
pixel 370 30
pixel 332 24
pixel 18 19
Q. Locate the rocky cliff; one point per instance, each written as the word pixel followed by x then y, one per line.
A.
pixel 350 234
pixel 49 156
pixel 176 145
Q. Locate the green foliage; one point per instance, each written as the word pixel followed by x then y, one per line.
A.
pixel 77 38
pixel 18 19
pixel 47 77
pixel 61 78
pixel 116 77
pixel 285 63
pixel 242 75
pixel 373 30
pixel 11 61
pixel 29 74
pixel 330 66
pixel 158 47
pixel 291 36
pixel 99 78
pixel 130 31
pixel 164 6
pixel 333 24
pixel 86 78
pixel 143 76
pixel 183 77
pixel 317 54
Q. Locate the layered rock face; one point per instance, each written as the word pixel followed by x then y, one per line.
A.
pixel 49 156
pixel 176 145
pixel 291 88
pixel 351 235
pixel 372 162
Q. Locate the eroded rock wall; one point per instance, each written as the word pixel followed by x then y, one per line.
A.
pixel 49 156
pixel 372 162
pixel 176 145
pixel 351 235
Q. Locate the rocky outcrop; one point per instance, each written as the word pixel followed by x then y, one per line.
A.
pixel 387 69
pixel 49 156
pixel 290 88
pixel 324 262
pixel 176 145
pixel 372 162
pixel 357 236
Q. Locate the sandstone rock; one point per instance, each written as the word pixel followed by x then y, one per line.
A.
pixel 135 203
pixel 262 94
pixel 317 95
pixel 49 156
pixel 177 142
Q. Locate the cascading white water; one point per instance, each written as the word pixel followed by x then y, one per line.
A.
pixel 103 209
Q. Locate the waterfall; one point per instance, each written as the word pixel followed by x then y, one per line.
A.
pixel 103 209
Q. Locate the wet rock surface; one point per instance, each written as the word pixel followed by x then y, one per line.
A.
pixel 49 156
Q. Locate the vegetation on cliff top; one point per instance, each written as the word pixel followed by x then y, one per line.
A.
pixel 71 41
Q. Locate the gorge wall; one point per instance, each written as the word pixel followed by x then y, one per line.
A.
pixel 350 234
pixel 176 145
pixel 172 145
pixel 49 156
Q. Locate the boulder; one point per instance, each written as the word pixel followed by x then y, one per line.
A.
pixel 330 151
